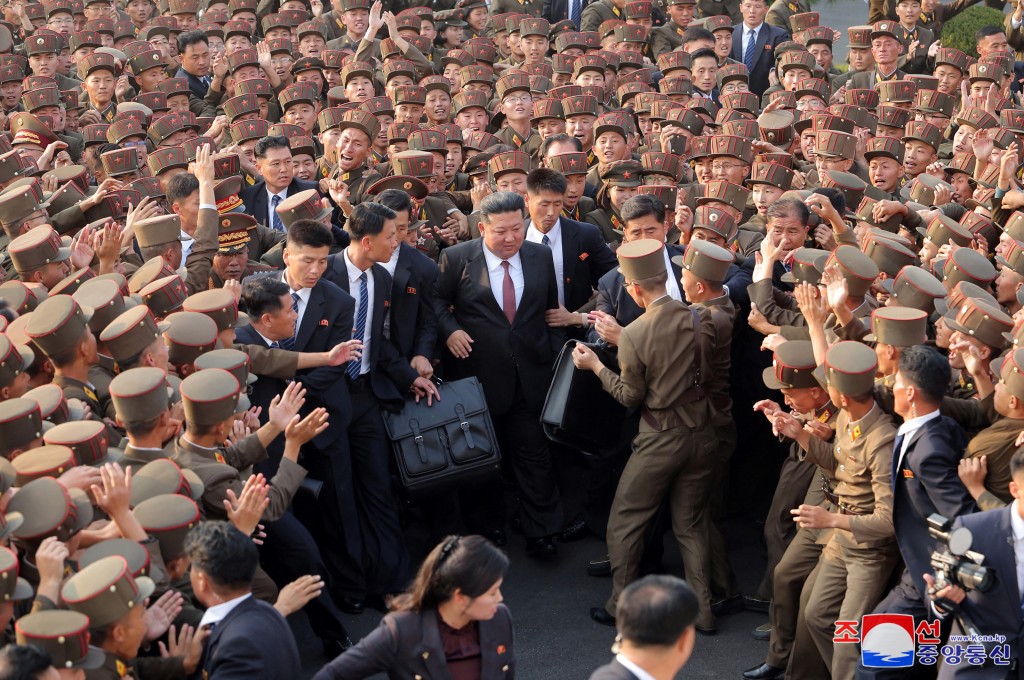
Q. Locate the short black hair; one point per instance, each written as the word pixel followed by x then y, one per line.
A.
pixel 545 179
pixel 262 295
pixel 694 33
pixel 309 233
pixel 704 52
pixel 223 553
pixel 500 203
pixel 271 142
pixel 836 197
pixel 1017 462
pixel 192 38
pixel 643 205
pixel 181 186
pixel 986 32
pixel 367 219
pixel 23 662
pixel 655 611
pixel 395 199
pixel 104 148
pixel 926 369
pixel 560 138
pixel 789 207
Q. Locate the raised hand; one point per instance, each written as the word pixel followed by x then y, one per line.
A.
pixel 302 431
pixel 343 352
pixel 296 594
pixel 245 510
pixel 162 613
pixel 286 405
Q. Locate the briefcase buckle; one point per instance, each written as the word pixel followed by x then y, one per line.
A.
pixel 460 411
pixel 414 425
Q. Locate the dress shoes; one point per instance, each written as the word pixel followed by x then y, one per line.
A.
pixel 753 604
pixel 707 630
pixel 574 532
pixel 600 568
pixel 540 547
pixel 350 605
pixel 764 672
pixel 333 648
pixel 601 615
pixel 497 537
pixel 762 632
pixel 727 605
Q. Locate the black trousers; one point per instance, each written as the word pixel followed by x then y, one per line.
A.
pixel 385 558
pixel 288 552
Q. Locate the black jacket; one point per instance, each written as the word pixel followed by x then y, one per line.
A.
pixel 413 316
pixel 197 86
pixel 255 197
pixel 613 671
pixel 558 10
pixel 585 259
pixel 252 642
pixel 764 53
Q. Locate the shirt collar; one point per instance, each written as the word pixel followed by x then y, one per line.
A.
pixel 640 673
pixel 917 423
pixel 219 612
pixel 354 272
pixel 283 193
pixel 553 234
pixel 755 29
pixel 494 262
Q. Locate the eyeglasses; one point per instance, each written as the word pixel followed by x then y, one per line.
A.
pixel 520 99
pixel 133 144
pixel 724 167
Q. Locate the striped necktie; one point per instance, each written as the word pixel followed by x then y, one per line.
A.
pixel 289 343
pixel 356 365
pixel 574 12
pixel 748 53
pixel 278 225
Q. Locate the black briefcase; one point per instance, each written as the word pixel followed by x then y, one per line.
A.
pixel 447 444
pixel 577 411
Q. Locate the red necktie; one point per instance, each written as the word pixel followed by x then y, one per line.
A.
pixel 508 294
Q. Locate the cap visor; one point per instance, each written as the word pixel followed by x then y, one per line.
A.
pixel 146 587
pixel 14 521
pixel 870 337
pixel 163 326
pixel 770 381
pixel 196 484
pixel 887 285
pixel 83 508
pixel 62 254
pixel 22 590
pixel 819 375
pixel 27 356
pixel 91 661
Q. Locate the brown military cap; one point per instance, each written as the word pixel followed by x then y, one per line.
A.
pixel 43 461
pixel 467 99
pixel 641 259
pixel 624 173
pixel 104 297
pixel 297 93
pixel 976 118
pixel 718 23
pixel 933 101
pixel 714 220
pixel 984 72
pixel 37 248
pixel 816 35
pixel 815 87
pixel 210 397
pixel 189 335
pixel 982 321
pixel 165 295
pixel 49 509
pixel 705 260
pixel 29 129
pixel 1008 369
pixel 898 326
pixel 165 159
pixel 140 394
pixel 13 587
pixel 88 440
pixel 893 116
pixel 915 288
pixel 583 105
pixel 888 254
pixel 14 360
pixel 864 214
pixel 58 324
pixel 657 163
pixel 722 191
pixel 733 147
pixel 163 476
pixel 168 518
pixel 236 107
pixel 850 367
pixel 412 94
pixel 574 163
pixel 63 634
pixel 922 131
pixel 305 205
pixel 746 102
pixel 941 230
pixel 923 189
pixel 427 140
pixel 105 591
pixel 164 127
pixel 772 174
pixel 687 119
pixel 132 552
pixel 547 108
pixel 20 423
pixel 857 268
pixel 510 83
pixel 122 130
pixel 120 162
pixel 952 57
pixel 509 161
pixel 796 59
pixel 157 231
pixel 852 186
pixel 792 366
pixel 860 37
pixel 966 264
pixel 43 43
pixel 70 283
pixel 896 91
pixel 413 164
pixel 885 147
pixel 218 304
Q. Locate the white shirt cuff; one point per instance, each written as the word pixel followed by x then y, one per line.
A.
pixel 1014 24
pixel 207 205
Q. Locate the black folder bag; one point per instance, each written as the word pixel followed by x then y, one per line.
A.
pixel 449 443
pixel 577 411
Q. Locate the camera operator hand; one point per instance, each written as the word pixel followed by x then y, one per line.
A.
pixel 953 593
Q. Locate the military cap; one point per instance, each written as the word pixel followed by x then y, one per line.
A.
pixel 775 127
pixel 733 147
pixel 960 293
pixel 982 226
pixel 399 132
pixel 864 214
pixel 980 320
pixel 104 297
pixel 668 195
pixel 922 131
pixel 476 74
pixel 1011 119
pixel 641 259
pixel 49 509
pixel 233 361
pixel 893 116
pixel 513 82
pixel 589 62
pixel 378 106
pixel 686 119
pixel 746 102
pixel 43 461
pixel 304 205
pixel 236 107
pixel 1008 369
pixel 573 163
pixel 638 9
pixel 814 87
pixel 20 423
pixel 132 552
pixel 534 26
pixel 18 296
pixel 952 57
pixel 802 21
pixel 29 129
pixel 63 634
pixel 857 268
pixel 722 191
pixel 852 186
pixel 53 406
pixel 14 588
pixel 410 94
pixel 95 134
pixel 678 86
pixel 966 264
pixel 828 122
pixel 168 518
pixel 923 189
pixel 898 326
pixel 105 590
pixel 632 33
pixel 189 335
pixel 485 53
pixel 120 162
pixel 889 255
pixel 40 98
pixel 676 60
pixel 122 130
pixel 796 59
pixel 37 248
pixel 582 105
pixel 399 67
pixel 427 140
pixel 624 173
pixel 14 360
pixel 941 230
pixel 915 288
pixel 1012 257
pixel 297 93
pixel 218 304
pixel 43 43
pixel 164 127
pixel 18 204
pixel 727 114
pixel 705 260
pixel 169 158
pixel 896 91
pixel 165 295
pixel 976 118
pixel 886 28
pixel 792 366
pixel 657 163
pixel 716 221
pixel 850 368
pixel 174 86
pixel 467 99
pixel 407 183
pixel 885 147
pixel 87 439
pixel 70 283
pixel 210 397
pixel 772 174
pixel 11 73
pixel 509 161
pixel 140 394
pixel 59 326
pixel 718 23
pixel 156 231
pixel 822 35
pixel 831 143
pixel 984 72
pixel 933 101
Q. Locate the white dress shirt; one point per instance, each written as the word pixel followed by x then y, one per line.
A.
pixel 391 265
pixel 497 275
pixel 304 294
pixel 907 430
pixel 555 242
pixel 672 285
pixel 270 204
pixel 640 673
pixel 354 284
pixel 747 38
pixel 219 612
pixel 1017 525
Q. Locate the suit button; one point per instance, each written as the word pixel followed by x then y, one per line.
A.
pixel 504 669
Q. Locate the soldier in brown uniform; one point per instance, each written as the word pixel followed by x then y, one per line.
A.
pixel 665 357
pixel 513 91
pixel 856 565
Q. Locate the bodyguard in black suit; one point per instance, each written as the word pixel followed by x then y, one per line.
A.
pixel 580 255
pixel 273 156
pixel 558 10
pixel 249 638
pixel 493 323
pixel 766 39
pixel 380 380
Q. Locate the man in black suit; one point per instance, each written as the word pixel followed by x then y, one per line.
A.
pixel 926 454
pixel 194 51
pixel 580 255
pixel 492 296
pixel 655 618
pixel 248 638
pixel 560 10
pixel 274 161
pixel 754 42
pixel 380 379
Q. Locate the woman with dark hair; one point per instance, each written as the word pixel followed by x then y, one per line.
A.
pixel 449 624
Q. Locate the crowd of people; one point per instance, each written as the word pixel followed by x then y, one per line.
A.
pixel 238 235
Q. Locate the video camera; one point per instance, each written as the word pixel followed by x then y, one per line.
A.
pixel 954 561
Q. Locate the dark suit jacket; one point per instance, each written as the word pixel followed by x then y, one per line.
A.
pixel 585 259
pixel 252 642
pixel 558 10
pixel 255 197
pixel 613 671
pixel 996 612
pixel 391 376
pixel 261 393
pixel 197 86
pixel 502 352
pixel 923 483
pixel 413 316
pixel 764 53
pixel 408 645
